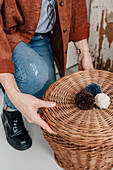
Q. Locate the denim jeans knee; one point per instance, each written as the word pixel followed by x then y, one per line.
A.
pixel 38 76
pixel 31 71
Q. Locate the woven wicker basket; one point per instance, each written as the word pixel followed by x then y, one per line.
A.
pixel 84 139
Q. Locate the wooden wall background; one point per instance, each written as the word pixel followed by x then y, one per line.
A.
pixel 101 34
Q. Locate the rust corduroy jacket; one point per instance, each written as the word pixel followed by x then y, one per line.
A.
pixel 18 22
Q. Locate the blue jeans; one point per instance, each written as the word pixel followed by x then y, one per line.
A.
pixel 34 67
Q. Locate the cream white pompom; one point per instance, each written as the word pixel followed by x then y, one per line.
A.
pixel 102 100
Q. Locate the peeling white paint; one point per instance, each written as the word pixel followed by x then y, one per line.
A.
pixel 95 20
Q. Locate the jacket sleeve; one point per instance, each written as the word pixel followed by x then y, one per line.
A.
pixel 6 64
pixel 79 21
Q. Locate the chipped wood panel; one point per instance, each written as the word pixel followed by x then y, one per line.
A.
pixel 101 34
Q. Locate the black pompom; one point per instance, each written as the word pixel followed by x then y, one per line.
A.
pixel 94 89
pixel 84 100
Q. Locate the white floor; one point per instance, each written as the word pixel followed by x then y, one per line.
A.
pixel 39 157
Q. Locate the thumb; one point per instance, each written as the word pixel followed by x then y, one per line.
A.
pixel 79 58
pixel 80 63
pixel 47 104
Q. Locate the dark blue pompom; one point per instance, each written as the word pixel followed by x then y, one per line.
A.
pixel 94 89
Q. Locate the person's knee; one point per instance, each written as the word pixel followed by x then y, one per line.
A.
pixel 31 71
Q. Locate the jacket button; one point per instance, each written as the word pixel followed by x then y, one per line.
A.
pixel 61 3
pixel 66 52
pixel 12 28
pixel 64 30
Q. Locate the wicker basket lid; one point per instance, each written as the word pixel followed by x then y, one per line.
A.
pixel 68 120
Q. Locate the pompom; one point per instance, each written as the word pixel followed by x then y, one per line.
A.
pixel 84 100
pixel 94 89
pixel 102 100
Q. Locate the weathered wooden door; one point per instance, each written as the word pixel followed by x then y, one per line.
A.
pixel 101 34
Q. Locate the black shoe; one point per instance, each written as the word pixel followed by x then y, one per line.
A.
pixel 16 134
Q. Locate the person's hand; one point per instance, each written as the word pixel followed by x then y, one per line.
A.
pixel 85 61
pixel 28 105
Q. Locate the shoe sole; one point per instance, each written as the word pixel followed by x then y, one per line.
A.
pixel 10 142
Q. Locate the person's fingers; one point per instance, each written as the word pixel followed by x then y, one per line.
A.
pixel 92 68
pixel 80 68
pixel 86 68
pixel 37 119
pixel 87 65
pixel 46 104
pixel 79 59
pixel 43 124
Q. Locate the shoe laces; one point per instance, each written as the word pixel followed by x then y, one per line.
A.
pixel 18 126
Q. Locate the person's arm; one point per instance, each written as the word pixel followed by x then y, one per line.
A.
pixel 27 104
pixel 84 57
pixel 79 33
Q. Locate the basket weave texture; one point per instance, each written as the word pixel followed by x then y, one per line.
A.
pixel 84 138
